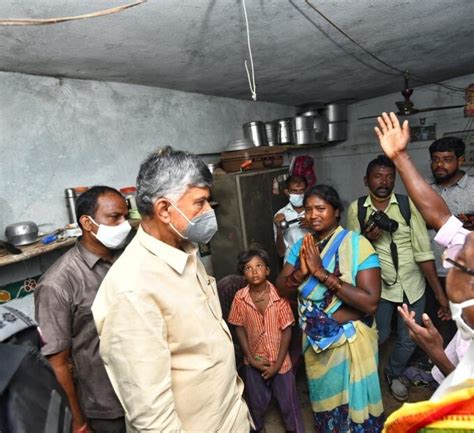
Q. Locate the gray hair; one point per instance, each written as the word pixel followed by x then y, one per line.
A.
pixel 169 173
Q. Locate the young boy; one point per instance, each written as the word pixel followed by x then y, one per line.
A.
pixel 263 323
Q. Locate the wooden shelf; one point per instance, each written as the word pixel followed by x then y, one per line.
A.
pixel 33 250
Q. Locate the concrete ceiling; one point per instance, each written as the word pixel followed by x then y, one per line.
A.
pixel 200 45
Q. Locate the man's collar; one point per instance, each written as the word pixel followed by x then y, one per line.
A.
pixel 174 257
pixel 462 182
pixel 368 201
pixel 90 258
pixel 290 207
pixel 272 294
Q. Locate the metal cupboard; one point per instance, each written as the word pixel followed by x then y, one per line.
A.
pixel 247 202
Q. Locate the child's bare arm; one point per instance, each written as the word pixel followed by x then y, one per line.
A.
pixel 259 364
pixel 284 345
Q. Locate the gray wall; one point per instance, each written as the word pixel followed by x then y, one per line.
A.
pixel 343 165
pixel 59 133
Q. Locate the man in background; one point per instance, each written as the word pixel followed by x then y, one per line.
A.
pixel 63 300
pixel 400 238
pixel 286 236
pixel 456 188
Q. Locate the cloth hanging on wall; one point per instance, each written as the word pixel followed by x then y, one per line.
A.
pixel 303 166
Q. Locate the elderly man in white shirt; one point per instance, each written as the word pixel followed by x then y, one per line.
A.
pixel 166 348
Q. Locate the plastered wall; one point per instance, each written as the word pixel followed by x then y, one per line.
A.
pixel 59 133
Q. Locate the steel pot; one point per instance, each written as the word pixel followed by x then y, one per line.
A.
pixel 321 129
pixel 303 122
pixel 285 135
pixel 271 131
pixel 22 233
pixel 304 136
pixel 238 144
pixel 255 132
pixel 336 112
pixel 337 131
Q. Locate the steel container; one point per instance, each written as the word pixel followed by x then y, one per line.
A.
pixel 336 112
pixel 22 233
pixel 285 131
pixel 255 132
pixel 271 132
pixel 337 131
pixel 321 129
pixel 303 122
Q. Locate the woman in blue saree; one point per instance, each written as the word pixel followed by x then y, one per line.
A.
pixel 336 275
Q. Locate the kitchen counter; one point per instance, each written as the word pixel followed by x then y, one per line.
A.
pixel 33 250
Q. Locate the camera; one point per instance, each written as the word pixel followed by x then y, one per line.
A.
pixel 286 224
pixel 382 221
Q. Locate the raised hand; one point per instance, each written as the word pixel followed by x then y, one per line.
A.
pixel 393 138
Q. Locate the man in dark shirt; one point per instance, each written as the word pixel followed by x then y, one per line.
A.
pixel 63 300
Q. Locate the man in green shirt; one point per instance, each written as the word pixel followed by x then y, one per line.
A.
pixel 409 245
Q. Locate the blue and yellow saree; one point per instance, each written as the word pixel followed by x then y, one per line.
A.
pixel 341 359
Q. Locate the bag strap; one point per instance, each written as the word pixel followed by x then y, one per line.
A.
pixel 404 206
pixel 361 212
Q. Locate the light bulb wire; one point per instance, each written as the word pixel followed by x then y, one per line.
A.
pixel 251 72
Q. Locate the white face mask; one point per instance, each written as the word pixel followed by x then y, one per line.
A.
pixel 200 229
pixel 296 200
pixel 112 237
pixel 467 333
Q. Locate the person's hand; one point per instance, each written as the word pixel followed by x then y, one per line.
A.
pixel 303 269
pixel 80 428
pixel 372 233
pixel 393 138
pixel 444 313
pixel 259 363
pixel 304 224
pixel 311 254
pixel 427 336
pixel 468 220
pixel 279 217
pixel 270 371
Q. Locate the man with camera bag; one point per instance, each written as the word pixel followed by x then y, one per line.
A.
pixel 398 233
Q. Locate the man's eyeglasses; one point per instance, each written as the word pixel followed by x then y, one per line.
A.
pixel 461 267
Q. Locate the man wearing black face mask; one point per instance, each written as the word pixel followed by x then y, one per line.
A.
pixel 167 350
pixel 406 259
pixel 63 300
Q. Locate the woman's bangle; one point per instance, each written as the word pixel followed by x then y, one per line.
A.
pixel 333 283
pixel 323 279
pixel 336 285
